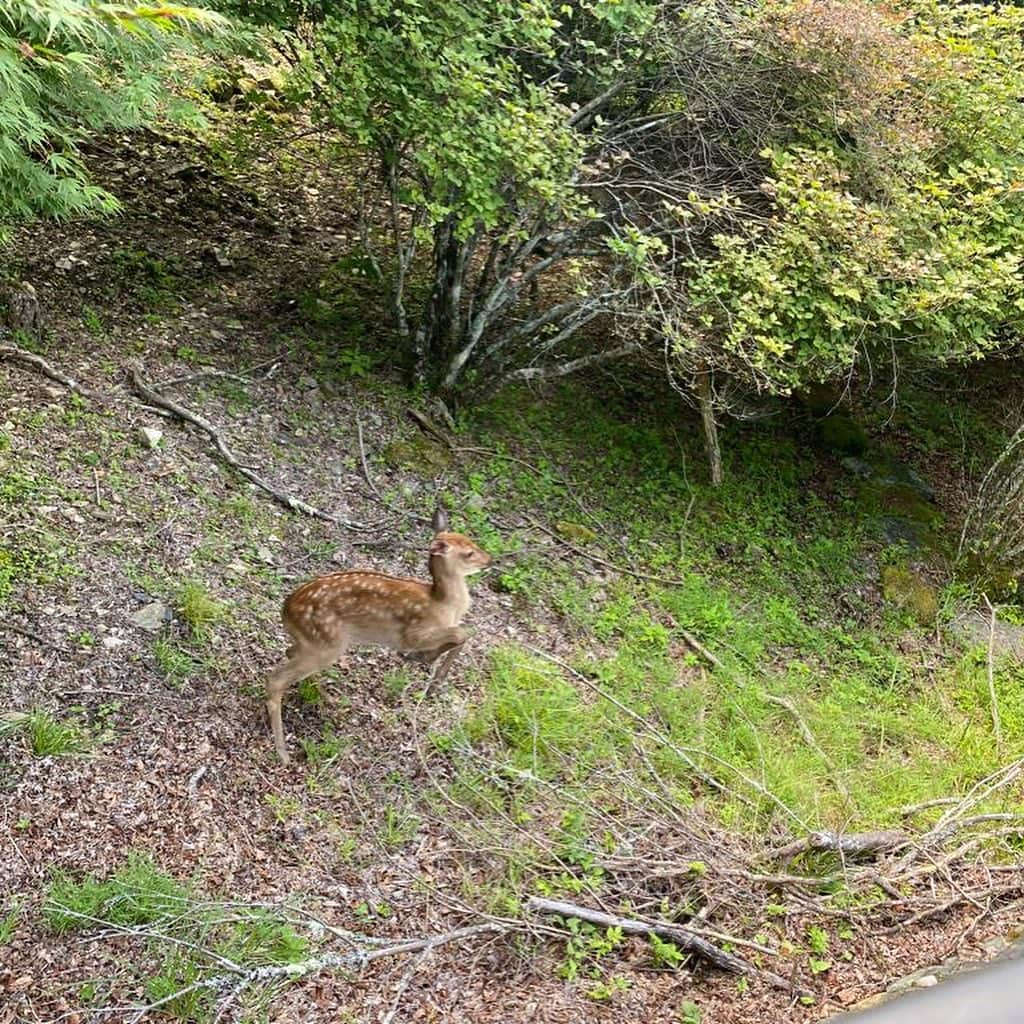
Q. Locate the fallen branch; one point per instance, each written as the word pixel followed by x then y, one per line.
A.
pixel 283 498
pixel 809 739
pixel 853 844
pixel 374 489
pixel 686 940
pixel 20 355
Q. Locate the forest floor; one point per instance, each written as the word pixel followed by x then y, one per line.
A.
pixel 666 683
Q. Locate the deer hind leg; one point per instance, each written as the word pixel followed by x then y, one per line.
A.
pixel 300 663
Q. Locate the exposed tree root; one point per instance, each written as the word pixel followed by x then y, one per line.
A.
pixel 289 501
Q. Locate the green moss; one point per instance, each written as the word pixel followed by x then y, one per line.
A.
pixel 575 532
pixel 907 590
pixel 419 454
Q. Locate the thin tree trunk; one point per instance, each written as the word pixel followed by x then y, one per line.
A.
pixel 707 414
pixel 433 321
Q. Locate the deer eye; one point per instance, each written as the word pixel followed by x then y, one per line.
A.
pixel 467 554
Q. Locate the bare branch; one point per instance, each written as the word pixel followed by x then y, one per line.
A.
pixel 686 940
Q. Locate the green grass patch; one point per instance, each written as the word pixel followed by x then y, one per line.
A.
pixel 137 893
pixel 177 664
pixel 9 924
pixel 45 734
pixel 184 937
pixel 198 609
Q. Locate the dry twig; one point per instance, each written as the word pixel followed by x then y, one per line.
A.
pixel 996 728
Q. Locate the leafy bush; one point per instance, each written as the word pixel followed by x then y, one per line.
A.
pixel 68 69
pixel 894 218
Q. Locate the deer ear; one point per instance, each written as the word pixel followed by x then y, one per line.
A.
pixel 439 523
pixel 438 546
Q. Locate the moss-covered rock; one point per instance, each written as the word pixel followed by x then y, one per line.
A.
pixel 897 500
pixel 575 533
pixel 419 454
pixel 909 591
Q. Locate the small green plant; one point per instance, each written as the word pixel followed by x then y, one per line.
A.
pixel 262 939
pixel 399 826
pixel 355 363
pixel 176 664
pixel 189 354
pixel 8 924
pixel 689 1013
pixel 198 608
pixel 137 893
pixel 817 940
pixel 177 985
pixel 92 321
pixel 396 682
pixel 666 954
pixel 47 736
pixel 308 691
pixel 324 751
pixel 284 808
pixel 605 991
pixel 585 947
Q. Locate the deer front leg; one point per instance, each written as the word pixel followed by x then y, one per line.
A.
pixel 442 643
pixel 440 673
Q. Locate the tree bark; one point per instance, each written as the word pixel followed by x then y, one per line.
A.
pixel 707 415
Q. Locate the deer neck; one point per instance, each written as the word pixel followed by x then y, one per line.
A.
pixel 450 590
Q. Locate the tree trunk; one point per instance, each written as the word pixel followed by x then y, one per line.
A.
pixel 707 414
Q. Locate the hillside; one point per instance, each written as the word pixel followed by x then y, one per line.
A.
pixel 670 687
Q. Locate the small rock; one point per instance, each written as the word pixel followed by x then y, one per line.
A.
pixel 150 436
pixel 974 629
pixel 113 642
pixel 72 516
pixel 265 555
pixel 221 258
pixel 152 617
pixel 926 982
